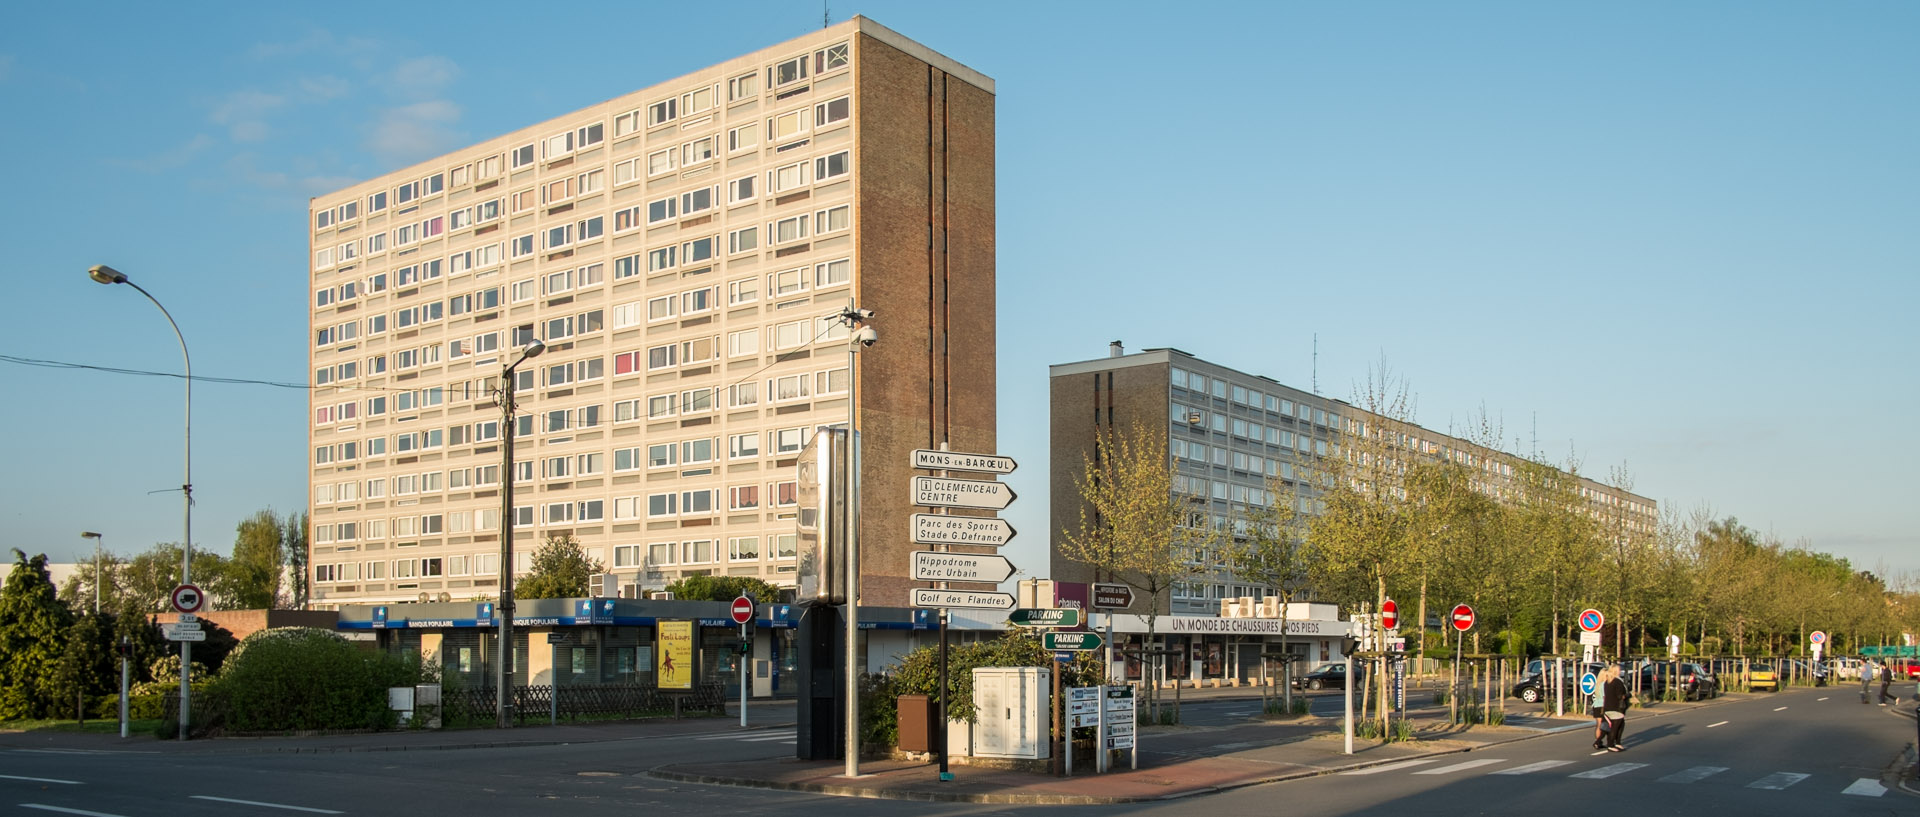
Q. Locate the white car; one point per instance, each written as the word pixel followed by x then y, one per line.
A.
pixel 1846 669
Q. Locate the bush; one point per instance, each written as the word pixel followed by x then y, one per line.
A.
pixel 304 678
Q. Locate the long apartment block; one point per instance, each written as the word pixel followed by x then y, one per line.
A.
pixel 680 251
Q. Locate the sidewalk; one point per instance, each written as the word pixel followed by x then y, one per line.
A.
pixel 1176 762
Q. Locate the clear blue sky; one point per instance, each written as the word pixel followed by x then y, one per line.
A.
pixel 1676 236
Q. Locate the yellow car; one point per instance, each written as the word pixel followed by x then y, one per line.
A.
pixel 1763 675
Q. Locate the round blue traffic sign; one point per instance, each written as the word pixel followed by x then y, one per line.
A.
pixel 1587 683
pixel 1590 620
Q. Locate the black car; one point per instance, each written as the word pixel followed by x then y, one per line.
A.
pixel 1533 686
pixel 1694 683
pixel 1328 676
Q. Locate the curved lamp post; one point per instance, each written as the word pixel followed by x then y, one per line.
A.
pixel 503 665
pixel 104 274
pixel 96 568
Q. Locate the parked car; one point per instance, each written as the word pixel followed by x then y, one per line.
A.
pixel 1329 676
pixel 1846 669
pixel 1533 686
pixel 1763 676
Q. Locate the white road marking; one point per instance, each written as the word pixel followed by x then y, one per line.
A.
pixel 39 779
pixel 1461 767
pixel 1865 787
pixel 1778 708
pixel 265 805
pixel 1393 767
pixel 1608 771
pixel 1712 725
pixel 1819 699
pixel 1693 775
pixel 1778 780
pixel 69 810
pixel 764 740
pixel 1534 767
pixel 750 736
pixel 1599 753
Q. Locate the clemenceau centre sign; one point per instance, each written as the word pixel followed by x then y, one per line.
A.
pixel 1255 626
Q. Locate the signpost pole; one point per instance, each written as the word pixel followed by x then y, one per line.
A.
pixel 1347 691
pixel 744 677
pixel 553 705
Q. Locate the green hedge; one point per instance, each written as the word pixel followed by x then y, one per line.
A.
pixel 303 678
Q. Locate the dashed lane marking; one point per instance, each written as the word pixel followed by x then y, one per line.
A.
pixel 1779 708
pixel 264 805
pixel 1712 725
pixel 1461 767
pixel 1693 775
pixel 1778 780
pixel 1393 767
pixel 70 810
pixel 1865 787
pixel 40 780
pixel 1819 699
pixel 1608 771
pixel 1535 767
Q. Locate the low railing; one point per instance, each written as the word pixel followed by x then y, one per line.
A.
pixel 474 705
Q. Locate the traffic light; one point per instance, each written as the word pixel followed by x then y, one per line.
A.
pixel 746 647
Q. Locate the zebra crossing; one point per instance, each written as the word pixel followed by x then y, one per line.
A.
pixel 787 736
pixel 1772 781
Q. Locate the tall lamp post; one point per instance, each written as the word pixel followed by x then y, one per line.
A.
pixel 96 567
pixel 104 274
pixel 861 337
pixel 503 669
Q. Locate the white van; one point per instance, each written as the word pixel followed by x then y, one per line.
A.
pixel 1846 669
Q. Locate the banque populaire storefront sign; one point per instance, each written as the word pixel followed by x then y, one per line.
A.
pixel 1255 626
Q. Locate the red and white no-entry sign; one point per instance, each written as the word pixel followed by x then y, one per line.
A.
pixel 742 610
pixel 1389 615
pixel 1462 617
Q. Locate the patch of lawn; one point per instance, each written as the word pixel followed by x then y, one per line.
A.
pixel 102 727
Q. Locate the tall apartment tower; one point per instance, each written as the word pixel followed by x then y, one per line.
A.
pixel 1231 436
pixel 680 251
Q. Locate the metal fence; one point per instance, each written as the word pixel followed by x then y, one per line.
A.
pixel 475 705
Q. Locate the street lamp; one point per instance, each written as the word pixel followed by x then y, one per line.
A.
pixel 503 670
pixel 104 274
pixel 96 567
pixel 862 337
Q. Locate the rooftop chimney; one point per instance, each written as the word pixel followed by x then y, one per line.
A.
pixel 1114 349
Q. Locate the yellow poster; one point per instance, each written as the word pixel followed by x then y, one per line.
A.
pixel 674 648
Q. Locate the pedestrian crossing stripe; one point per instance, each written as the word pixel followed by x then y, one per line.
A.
pixel 1392 767
pixel 1778 780
pixel 1693 775
pixel 1536 767
pixel 1461 767
pixel 1865 787
pixel 1608 771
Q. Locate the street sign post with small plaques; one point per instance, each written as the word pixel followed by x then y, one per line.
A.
pixel 959 461
pixel 938 529
pixel 1045 617
pixel 934 566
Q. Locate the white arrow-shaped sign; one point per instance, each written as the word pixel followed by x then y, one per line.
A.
pixel 940 492
pixel 929 566
pixel 957 461
pixel 934 529
pixel 923 597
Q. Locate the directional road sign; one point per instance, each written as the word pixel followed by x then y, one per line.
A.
pixel 934 529
pixel 1071 641
pixel 1389 614
pixel 1045 617
pixel 1462 617
pixel 941 492
pixel 188 599
pixel 1112 596
pixel 1587 682
pixel 929 566
pixel 1591 620
pixel 742 610
pixel 957 461
pixel 923 597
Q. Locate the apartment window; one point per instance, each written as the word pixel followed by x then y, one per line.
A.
pixel 788 177
pixel 662 308
pixel 626 411
pixel 744 291
pixel 832 219
pixel 833 381
pixel 787 282
pixel 745 239
pixel 786 494
pixel 743 446
pixel 743 548
pixel 697 151
pixel 743 137
pixel 788 335
pixel 832 273
pixel 521 156
pixel 740 189
pixel 521 246
pixel 696 401
pixel 696 452
pixel 626 459
pixel 590 135
pixel 661 357
pixel 743 86
pixel 662 112
pixel 789 125
pixel 663 209
pixel 558 145
pixel 787 73
pixel 698 201
pixel 559 513
pixel 830 166
pixel 831 111
pixel 698 250
pixel 785 545
pixel 660 553
pixel 626 123
pixel 831 58
pixel 743 343
pixel 627 314
pixel 662 504
pixel 558 190
pixel 740 395
pixel 660 161
pixel 699 100
pixel 788 388
pixel 377 202
pixel 625 555
pixel 661 259
pixel 788 230
pixel 523 200
pixel 697 502
pixel 788 440
pixel 662 455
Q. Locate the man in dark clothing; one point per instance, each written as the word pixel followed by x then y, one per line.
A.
pixel 1614 708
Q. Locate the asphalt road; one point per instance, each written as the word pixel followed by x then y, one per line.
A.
pixel 1789 754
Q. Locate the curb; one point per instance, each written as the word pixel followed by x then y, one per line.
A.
pixel 232 749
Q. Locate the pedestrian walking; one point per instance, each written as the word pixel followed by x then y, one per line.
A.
pixel 1886 677
pixel 1867 670
pixel 1614 703
pixel 1596 709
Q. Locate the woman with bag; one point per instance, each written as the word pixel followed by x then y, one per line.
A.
pixel 1614 702
pixel 1596 708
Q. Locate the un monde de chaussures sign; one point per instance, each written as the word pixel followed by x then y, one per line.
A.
pixel 1255 626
